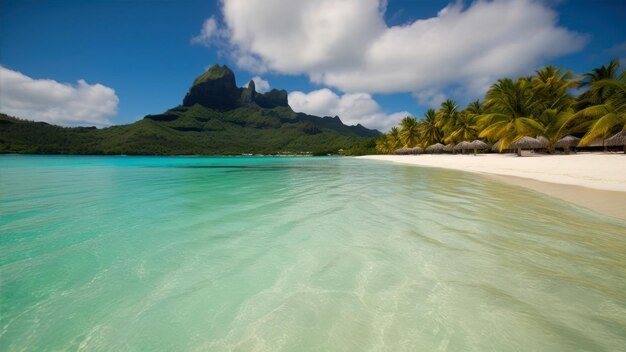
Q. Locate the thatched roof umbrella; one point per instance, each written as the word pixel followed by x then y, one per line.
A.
pixel 449 148
pixel 462 146
pixel 477 144
pixel 526 143
pixel 435 148
pixel 567 142
pixel 416 150
pixel 618 139
pixel 545 143
pixel 402 151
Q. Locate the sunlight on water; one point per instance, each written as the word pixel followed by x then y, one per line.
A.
pixel 297 254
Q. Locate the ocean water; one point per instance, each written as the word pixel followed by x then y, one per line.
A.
pixel 297 254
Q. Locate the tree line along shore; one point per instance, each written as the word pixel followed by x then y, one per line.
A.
pixel 538 111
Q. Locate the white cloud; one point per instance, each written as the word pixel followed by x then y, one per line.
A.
pixel 59 103
pixel 346 44
pixel 353 108
pixel 210 31
pixel 260 85
pixel 431 98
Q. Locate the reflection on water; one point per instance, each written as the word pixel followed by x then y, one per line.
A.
pixel 111 253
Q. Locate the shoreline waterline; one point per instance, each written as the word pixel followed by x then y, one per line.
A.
pixel 600 186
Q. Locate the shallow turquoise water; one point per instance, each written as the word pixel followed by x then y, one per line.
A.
pixel 297 254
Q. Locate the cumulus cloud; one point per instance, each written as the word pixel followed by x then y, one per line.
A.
pixel 260 85
pixel 209 33
pixel 347 44
pixel 352 108
pixel 59 103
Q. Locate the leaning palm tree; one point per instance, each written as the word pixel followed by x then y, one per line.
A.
pixel 598 96
pixel 409 132
pixel 429 131
pixel 511 106
pixel 610 116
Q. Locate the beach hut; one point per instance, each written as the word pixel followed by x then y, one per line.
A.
pixel 462 146
pixel 449 148
pixel 435 148
pixel 402 151
pixel 415 150
pixel 545 143
pixel 477 144
pixel 567 142
pixel 617 140
pixel 526 143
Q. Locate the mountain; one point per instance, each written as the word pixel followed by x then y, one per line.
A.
pixel 215 118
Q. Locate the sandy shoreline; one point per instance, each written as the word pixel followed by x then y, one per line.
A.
pixel 594 181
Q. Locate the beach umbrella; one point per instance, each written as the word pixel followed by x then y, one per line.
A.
pixel 416 150
pixel 401 151
pixel 544 141
pixel 618 139
pixel 435 148
pixel 462 146
pixel 449 147
pixel 567 142
pixel 526 143
pixel 477 144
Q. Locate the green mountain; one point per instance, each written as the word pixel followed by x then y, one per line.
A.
pixel 216 118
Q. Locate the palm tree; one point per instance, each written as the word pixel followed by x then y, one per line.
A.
pixel 602 73
pixel 608 117
pixel 394 138
pixel 447 115
pixel 464 129
pixel 510 109
pixel 431 134
pixel 550 86
pixel 555 125
pixel 409 132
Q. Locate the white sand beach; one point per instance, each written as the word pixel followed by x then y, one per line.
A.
pixel 593 180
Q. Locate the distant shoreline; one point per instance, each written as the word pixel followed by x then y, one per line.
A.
pixel 593 181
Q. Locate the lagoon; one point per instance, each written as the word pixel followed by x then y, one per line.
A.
pixel 297 254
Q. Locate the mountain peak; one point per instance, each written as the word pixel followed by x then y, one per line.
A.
pixel 217 89
pixel 214 72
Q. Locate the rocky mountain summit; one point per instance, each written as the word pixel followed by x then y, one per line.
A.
pixel 217 89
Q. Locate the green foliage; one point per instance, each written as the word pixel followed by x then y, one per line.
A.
pixel 539 105
pixel 192 130
pixel 214 72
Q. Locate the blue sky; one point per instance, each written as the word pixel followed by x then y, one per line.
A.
pixel 138 57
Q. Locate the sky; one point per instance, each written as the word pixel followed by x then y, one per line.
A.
pixel 102 63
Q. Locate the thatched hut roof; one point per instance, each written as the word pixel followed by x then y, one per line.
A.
pixel 402 151
pixel 544 141
pixel 416 150
pixel 449 147
pixel 617 139
pixel 437 147
pixel 567 142
pixel 496 146
pixel 478 144
pixel 462 146
pixel 527 143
